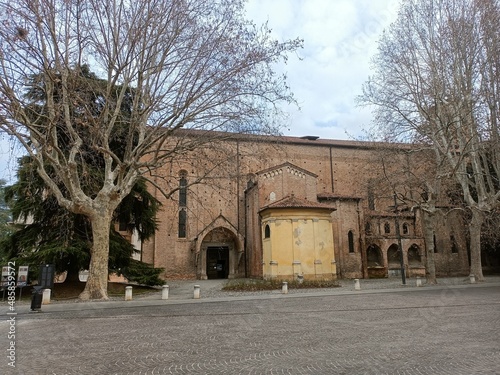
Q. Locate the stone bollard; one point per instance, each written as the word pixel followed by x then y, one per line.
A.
pixel 128 293
pixel 472 279
pixel 419 281
pixel 284 288
pixel 357 285
pixel 164 292
pixel 46 296
pixel 196 292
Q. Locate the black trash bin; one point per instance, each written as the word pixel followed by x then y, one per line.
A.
pixel 36 298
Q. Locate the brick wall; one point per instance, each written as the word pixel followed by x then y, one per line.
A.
pixel 341 170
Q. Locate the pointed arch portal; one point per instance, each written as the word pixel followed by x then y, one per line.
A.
pixel 217 266
pixel 218 255
pixel 375 262
pixel 219 251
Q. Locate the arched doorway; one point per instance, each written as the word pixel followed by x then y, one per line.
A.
pixel 394 260
pixel 415 264
pixel 219 251
pixel 414 257
pixel 374 256
pixel 219 254
pixel 375 262
pixel 217 262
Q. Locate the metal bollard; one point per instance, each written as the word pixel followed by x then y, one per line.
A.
pixel 128 293
pixel 419 281
pixel 472 279
pixel 164 292
pixel 284 288
pixel 196 292
pixel 36 299
pixel 357 285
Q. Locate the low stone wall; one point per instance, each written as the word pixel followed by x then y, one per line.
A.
pixel 377 272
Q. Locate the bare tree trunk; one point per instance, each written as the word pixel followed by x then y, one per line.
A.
pixel 430 266
pixel 97 282
pixel 475 226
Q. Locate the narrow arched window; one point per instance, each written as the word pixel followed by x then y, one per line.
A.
pixel 387 228
pixel 350 239
pixel 267 231
pixel 406 230
pixel 435 244
pixel 182 223
pixel 454 247
pixel 183 192
pixel 371 196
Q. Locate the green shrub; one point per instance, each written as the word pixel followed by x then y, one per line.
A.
pixel 252 285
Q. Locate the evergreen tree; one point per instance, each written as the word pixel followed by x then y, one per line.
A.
pixel 5 216
pixel 175 65
pixel 49 233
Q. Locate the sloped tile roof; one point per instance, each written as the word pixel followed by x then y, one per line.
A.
pixel 292 201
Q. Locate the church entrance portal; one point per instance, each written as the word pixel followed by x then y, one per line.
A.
pixel 217 262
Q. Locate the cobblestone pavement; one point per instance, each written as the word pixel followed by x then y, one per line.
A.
pixel 449 330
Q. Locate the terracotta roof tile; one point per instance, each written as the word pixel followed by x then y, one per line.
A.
pixel 292 201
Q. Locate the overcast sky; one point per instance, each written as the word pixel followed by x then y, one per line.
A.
pixel 339 40
pixel 340 37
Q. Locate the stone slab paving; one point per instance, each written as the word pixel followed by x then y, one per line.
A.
pixel 454 330
pixel 183 289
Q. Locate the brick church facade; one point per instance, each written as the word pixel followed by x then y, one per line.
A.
pixel 287 207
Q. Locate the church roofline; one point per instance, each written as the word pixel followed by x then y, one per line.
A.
pixel 304 140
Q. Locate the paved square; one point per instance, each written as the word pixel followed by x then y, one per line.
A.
pixel 426 331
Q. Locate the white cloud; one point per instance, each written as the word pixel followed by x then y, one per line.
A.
pixel 339 40
pixel 9 153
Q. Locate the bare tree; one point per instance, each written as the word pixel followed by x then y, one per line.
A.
pixel 436 80
pixel 410 173
pixel 175 64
